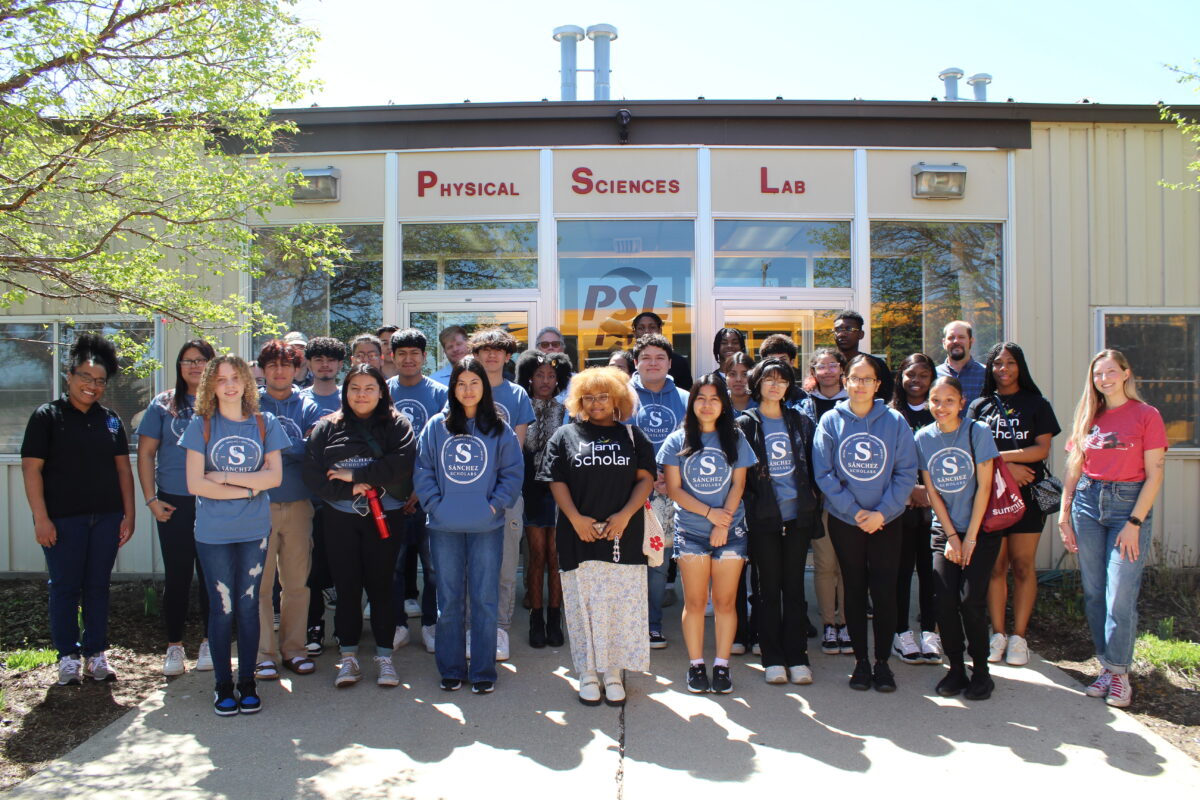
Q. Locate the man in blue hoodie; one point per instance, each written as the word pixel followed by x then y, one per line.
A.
pixel 289 549
pixel 660 410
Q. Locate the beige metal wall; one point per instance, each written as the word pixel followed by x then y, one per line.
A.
pixel 1093 228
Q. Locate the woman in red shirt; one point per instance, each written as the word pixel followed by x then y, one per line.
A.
pixel 1114 472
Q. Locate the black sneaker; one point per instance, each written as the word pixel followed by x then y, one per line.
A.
pixel 224 703
pixel 451 684
pixel 657 640
pixel 248 700
pixel 810 630
pixel 316 641
pixel 980 687
pixel 483 687
pixel 861 679
pixel 697 679
pixel 883 678
pixel 954 682
pixel 829 641
pixel 721 682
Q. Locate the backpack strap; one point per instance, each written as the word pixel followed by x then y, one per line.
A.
pixel 262 428
pixel 207 431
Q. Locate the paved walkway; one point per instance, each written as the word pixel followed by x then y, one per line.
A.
pixel 1039 736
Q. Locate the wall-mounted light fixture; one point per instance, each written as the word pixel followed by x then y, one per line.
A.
pixel 320 186
pixel 939 181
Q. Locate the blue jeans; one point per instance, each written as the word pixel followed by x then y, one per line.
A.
pixel 415 535
pixel 80 565
pixel 1110 583
pixel 467 564
pixel 232 574
pixel 656 577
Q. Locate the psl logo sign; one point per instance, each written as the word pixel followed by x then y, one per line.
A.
pixel 619 295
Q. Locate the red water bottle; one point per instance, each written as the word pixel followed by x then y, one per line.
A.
pixel 377 512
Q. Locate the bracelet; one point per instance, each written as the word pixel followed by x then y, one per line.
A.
pixel 152 500
pixel 249 493
pixel 706 512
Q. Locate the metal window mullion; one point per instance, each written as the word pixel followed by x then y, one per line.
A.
pixel 860 246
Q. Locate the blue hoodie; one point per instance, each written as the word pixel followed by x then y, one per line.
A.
pixel 296 416
pixel 458 476
pixel 658 413
pixel 864 464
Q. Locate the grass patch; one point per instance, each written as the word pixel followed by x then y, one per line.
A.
pixel 1169 654
pixel 23 660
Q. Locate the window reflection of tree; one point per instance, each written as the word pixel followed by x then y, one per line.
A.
pixel 1168 378
pixel 486 255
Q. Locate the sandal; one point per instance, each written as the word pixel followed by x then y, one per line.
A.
pixel 300 665
pixel 266 671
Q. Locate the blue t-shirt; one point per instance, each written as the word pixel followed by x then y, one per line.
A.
pixel 163 423
pixel 327 403
pixel 233 447
pixel 419 403
pixel 947 458
pixel 705 475
pixel 781 463
pixel 513 404
pixel 296 415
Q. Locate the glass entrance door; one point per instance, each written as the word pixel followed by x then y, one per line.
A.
pixel 810 325
pixel 432 318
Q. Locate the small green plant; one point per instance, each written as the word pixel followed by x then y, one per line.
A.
pixel 23 660
pixel 150 601
pixel 1169 654
pixel 1166 628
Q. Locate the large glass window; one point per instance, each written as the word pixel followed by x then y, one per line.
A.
pixel 925 274
pixel 341 305
pixel 475 255
pixel 36 363
pixel 780 253
pixel 1164 351
pixel 611 270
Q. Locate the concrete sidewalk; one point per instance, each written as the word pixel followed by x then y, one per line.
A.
pixel 1038 736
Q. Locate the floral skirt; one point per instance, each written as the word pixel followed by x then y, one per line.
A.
pixel 605 609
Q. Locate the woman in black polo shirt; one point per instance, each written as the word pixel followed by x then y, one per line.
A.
pixel 75 459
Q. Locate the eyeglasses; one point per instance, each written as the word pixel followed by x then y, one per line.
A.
pixel 827 368
pixel 88 380
pixel 588 399
pixel 193 362
pixel 847 329
pixel 550 344
pixel 854 380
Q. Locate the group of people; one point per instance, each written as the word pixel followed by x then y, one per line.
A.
pixel 292 481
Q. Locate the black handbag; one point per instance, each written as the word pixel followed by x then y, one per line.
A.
pixel 1047 492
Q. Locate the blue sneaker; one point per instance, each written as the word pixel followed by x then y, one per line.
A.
pixel 248 700
pixel 224 703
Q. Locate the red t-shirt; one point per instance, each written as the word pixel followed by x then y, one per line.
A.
pixel 1116 445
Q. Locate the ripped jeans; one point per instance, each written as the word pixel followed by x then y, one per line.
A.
pixel 232 574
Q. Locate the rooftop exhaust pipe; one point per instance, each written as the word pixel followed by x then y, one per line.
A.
pixel 950 76
pixel 979 82
pixel 567 36
pixel 601 35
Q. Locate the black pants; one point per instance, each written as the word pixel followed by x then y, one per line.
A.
pixel 782 610
pixel 915 524
pixel 318 574
pixel 177 540
pixel 359 559
pixel 868 562
pixel 747 606
pixel 962 598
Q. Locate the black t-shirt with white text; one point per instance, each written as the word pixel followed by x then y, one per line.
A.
pixel 1016 420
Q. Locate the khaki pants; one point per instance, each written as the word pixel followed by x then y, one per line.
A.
pixel 289 550
pixel 827 579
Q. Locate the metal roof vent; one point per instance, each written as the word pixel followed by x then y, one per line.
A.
pixel 979 82
pixel 950 76
pixel 567 36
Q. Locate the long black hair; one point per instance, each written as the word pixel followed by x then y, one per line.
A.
pixel 486 418
pixel 179 399
pixel 899 396
pixel 727 431
pixel 529 362
pixel 1024 379
pixel 721 334
pixel 384 411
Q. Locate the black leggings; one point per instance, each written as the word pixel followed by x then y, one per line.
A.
pixel 177 540
pixel 359 559
pixel 868 561
pixel 915 524
pixel 962 598
pixel 782 609
pixel 318 574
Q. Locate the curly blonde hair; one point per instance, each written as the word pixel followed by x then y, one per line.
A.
pixel 206 392
pixel 602 380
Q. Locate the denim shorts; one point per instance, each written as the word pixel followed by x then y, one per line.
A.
pixel 694 544
pixel 541 510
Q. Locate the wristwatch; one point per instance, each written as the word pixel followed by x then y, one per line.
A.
pixel 1135 521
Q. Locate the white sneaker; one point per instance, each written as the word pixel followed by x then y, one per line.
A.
pixel 614 688
pixel 904 645
pixel 349 673
pixel 501 644
pixel 738 649
pixel 204 658
pixel 173 663
pixel 931 647
pixel 429 637
pixel 756 649
pixel 387 671
pixel 1100 686
pixel 1120 691
pixel 1018 651
pixel 97 668
pixel 776 675
pixel 412 608
pixel 996 647
pixel 401 638
pixel 845 646
pixel 589 688
pixel 801 674
pixel 68 670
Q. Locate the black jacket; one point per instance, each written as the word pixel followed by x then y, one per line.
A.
pixel 335 439
pixel 762 509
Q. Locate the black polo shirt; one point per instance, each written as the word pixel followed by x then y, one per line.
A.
pixel 80 473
